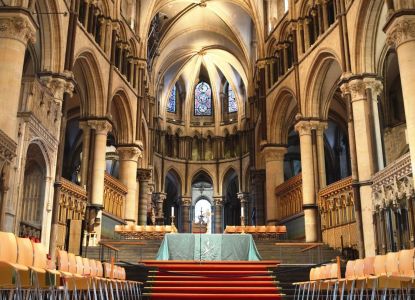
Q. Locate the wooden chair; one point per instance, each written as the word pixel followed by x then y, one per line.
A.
pixel 230 229
pixel 282 231
pixel 261 232
pixel 271 231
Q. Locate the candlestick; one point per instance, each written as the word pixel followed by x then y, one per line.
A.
pixel 242 212
pixel 172 211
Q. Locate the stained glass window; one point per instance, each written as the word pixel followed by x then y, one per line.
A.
pixel 171 103
pixel 203 99
pixel 232 105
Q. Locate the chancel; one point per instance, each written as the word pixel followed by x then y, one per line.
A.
pixel 207 149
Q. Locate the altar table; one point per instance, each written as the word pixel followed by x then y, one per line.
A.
pixel 215 247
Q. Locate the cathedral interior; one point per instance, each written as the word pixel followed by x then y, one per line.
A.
pixel 294 113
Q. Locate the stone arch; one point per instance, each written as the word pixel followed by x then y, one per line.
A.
pixel 224 176
pixel 282 116
pixel 322 82
pixel 122 118
pixel 172 171
pixel 369 22
pixel 94 94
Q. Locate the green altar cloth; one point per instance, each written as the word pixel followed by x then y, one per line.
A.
pixel 186 246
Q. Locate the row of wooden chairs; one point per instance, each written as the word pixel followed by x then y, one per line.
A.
pixel 141 232
pixel 383 276
pixel 26 273
pixel 259 232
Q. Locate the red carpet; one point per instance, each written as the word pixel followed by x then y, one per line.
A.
pixel 211 280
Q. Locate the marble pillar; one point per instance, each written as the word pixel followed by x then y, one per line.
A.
pixel 218 211
pixel 143 177
pixel 159 199
pixel 185 204
pixel 274 168
pixel 308 174
pixel 128 157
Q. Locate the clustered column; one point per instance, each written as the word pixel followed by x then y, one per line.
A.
pixel 128 175
pixel 143 176
pixel 274 160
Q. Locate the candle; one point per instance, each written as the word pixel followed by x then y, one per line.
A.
pixel 172 211
pixel 242 212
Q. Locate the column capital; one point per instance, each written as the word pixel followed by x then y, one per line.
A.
pixel 102 127
pixel 143 174
pixel 59 84
pixel 375 85
pixel 17 24
pixel 400 29
pixel 218 200
pixel 129 153
pixel 303 127
pixel 185 201
pixel 274 152
pixel 159 197
pixel 243 197
pixel 357 85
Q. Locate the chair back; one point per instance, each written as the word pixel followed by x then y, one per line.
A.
pixel 282 229
pixel 87 266
pixel 262 229
pixel 63 261
pixel 138 228
pixel 333 271
pixel 406 262
pixel 392 263
pixel 93 267
pixel 73 267
pixel 369 267
pixel 118 228
pixel 100 269
pixel 24 251
pixel 359 268
pixel 350 268
pixel 379 265
pixel 8 249
pixel 40 259
pixel 79 265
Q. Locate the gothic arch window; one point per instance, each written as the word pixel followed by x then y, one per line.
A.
pixel 171 103
pixel 203 99
pixel 232 104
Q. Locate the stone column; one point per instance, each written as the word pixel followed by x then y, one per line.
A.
pixel 321 164
pixel 186 202
pixel 159 199
pixel 128 157
pixel 309 192
pixel 17 28
pixel 143 176
pixel 244 199
pixel 401 34
pixel 218 211
pixel 86 144
pixel 364 154
pixel 274 160
pixel 101 127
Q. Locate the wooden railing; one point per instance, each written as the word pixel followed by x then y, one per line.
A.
pixel 336 207
pixel 72 206
pixel 393 199
pixel 290 197
pixel 114 196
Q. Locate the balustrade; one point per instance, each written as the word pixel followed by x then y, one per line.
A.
pixel 72 206
pixel 290 197
pixel 114 196
pixel 336 207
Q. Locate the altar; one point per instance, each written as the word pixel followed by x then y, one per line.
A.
pixel 208 247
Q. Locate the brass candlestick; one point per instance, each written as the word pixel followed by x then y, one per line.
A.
pixel 243 224
pixel 173 227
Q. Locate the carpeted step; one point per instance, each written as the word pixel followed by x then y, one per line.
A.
pixel 223 273
pixel 210 278
pixel 172 296
pixel 208 283
pixel 212 290
pixel 212 267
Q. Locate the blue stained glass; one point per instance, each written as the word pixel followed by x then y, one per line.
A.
pixel 171 103
pixel 232 105
pixel 203 99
